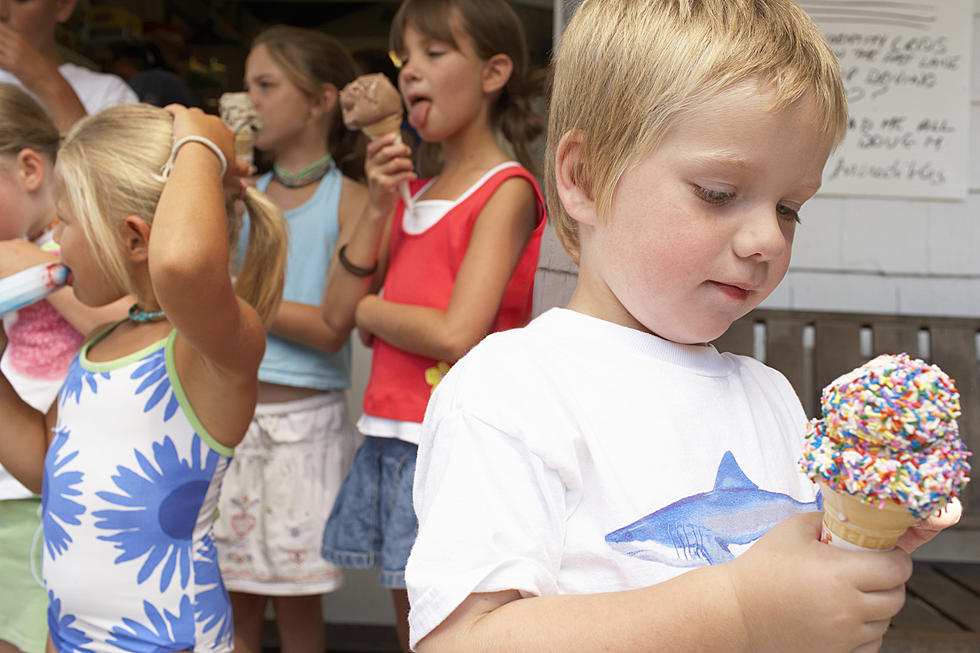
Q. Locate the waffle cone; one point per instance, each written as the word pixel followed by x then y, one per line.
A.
pixel 847 518
pixel 392 123
pixel 244 144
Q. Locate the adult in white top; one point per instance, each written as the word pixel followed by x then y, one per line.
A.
pixel 29 56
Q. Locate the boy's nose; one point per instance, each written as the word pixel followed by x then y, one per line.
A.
pixel 762 235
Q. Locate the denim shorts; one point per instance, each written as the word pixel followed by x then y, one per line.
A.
pixel 373 523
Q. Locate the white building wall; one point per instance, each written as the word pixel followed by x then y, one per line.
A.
pixel 902 256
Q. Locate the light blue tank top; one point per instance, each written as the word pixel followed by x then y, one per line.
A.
pixel 313 231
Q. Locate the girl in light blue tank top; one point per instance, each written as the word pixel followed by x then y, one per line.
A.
pixel 280 487
pixel 131 457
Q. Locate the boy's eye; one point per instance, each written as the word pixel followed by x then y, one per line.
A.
pixel 788 212
pixel 713 196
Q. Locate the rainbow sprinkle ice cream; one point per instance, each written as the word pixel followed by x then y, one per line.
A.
pixel 887 451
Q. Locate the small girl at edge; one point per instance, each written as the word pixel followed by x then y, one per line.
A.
pixel 133 452
pixel 457 266
pixel 43 339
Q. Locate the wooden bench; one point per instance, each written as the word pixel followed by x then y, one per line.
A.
pixel 813 348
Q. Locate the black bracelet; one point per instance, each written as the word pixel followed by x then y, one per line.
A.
pixel 356 270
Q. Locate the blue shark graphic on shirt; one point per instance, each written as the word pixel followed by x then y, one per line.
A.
pixel 699 530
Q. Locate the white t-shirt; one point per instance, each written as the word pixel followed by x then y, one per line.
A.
pixel 579 456
pixel 96 90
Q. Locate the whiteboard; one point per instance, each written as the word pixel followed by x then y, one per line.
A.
pixel 906 69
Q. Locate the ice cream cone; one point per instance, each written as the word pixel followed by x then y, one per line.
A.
pixel 240 116
pixel 849 523
pixel 387 125
pixel 245 144
pixel 392 123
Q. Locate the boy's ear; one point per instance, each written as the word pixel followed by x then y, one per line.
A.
pixel 136 238
pixel 574 190
pixel 64 9
pixel 496 72
pixel 31 169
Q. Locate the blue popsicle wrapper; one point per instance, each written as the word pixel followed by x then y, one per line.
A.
pixel 31 285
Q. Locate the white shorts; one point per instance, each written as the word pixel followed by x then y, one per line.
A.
pixel 277 495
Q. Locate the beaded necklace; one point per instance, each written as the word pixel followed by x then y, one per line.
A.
pixel 305 177
pixel 136 315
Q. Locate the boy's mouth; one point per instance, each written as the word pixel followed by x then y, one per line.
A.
pixel 737 291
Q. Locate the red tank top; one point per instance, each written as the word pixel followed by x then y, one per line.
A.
pixel 422 269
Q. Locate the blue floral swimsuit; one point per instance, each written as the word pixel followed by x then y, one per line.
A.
pixel 130 489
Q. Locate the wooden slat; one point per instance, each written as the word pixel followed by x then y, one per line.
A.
pixel 916 614
pixel 837 349
pixel 967 575
pixel 740 337
pixel 551 288
pixel 784 351
pixel 954 350
pixel 946 596
pixel 910 641
pixel 891 338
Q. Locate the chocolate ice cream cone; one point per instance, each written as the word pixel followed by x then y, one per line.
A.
pixel 387 125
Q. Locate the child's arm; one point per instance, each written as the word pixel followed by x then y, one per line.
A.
pixel 188 265
pixel 17 255
pixel 41 77
pixel 789 592
pixel 23 434
pixel 499 236
pixel 304 323
pixel 365 239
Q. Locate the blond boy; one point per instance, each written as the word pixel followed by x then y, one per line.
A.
pixel 603 479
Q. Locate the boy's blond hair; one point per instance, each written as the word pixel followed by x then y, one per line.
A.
pixel 626 69
pixel 109 168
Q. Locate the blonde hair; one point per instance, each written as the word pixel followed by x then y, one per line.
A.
pixel 25 124
pixel 625 70
pixel 310 58
pixel 109 168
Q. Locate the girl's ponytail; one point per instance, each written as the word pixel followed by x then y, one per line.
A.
pixel 516 118
pixel 265 253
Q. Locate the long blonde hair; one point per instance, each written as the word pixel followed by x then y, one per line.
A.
pixel 109 168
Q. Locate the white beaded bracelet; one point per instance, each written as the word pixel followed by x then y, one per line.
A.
pixel 169 165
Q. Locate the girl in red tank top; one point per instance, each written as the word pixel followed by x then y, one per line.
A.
pixel 455 265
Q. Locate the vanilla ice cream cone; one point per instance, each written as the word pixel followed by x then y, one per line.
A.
pixel 245 144
pixel 240 116
pixel 850 523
